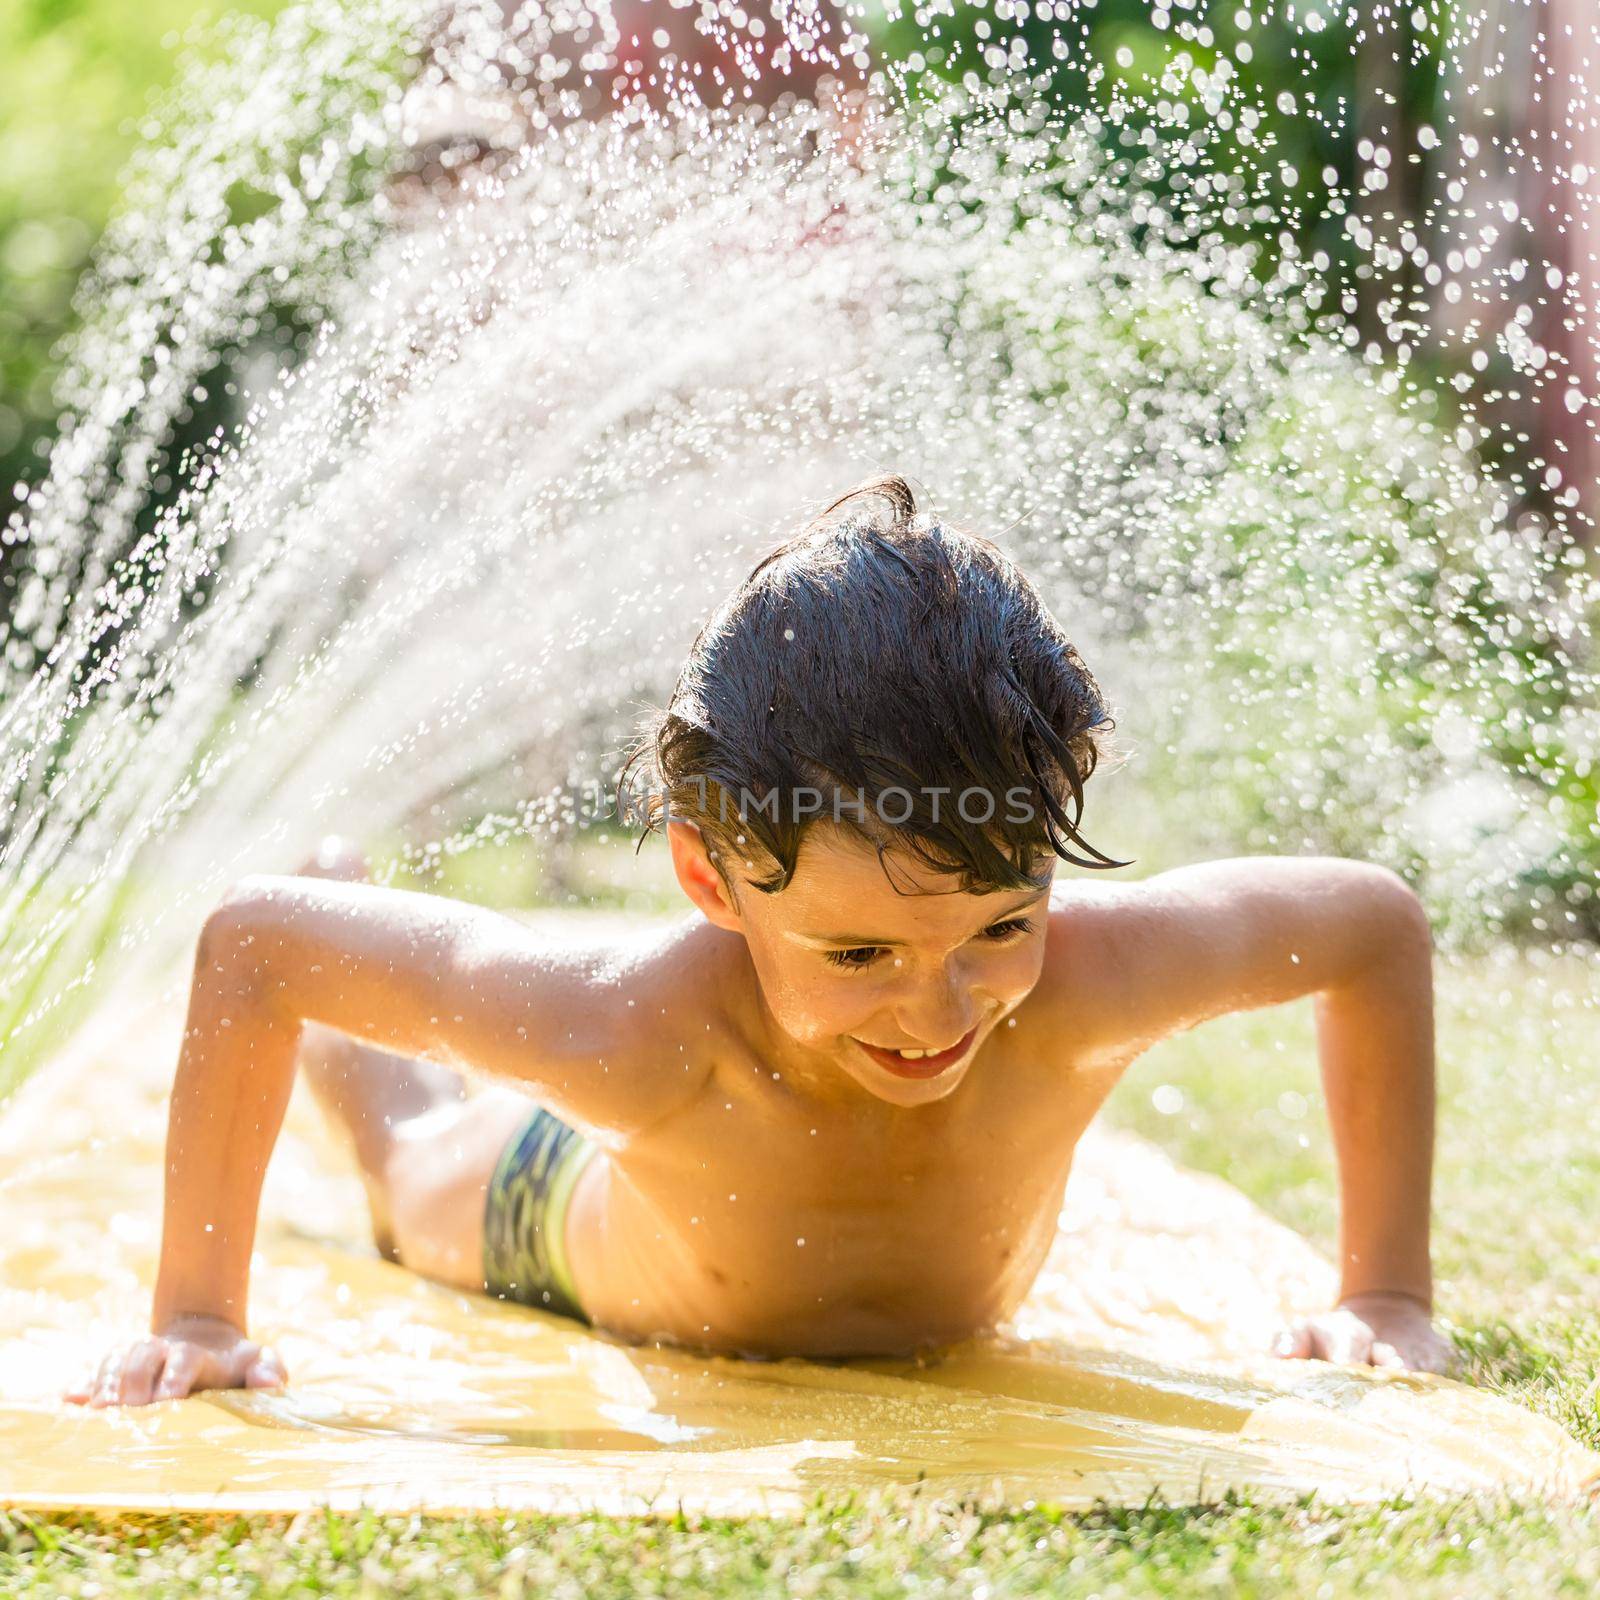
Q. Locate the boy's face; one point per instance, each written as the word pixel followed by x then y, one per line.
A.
pixel 856 968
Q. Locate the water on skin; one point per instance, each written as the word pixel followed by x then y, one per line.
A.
pixel 446 545
pixel 450 542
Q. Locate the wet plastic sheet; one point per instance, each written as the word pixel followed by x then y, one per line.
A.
pixel 1133 1367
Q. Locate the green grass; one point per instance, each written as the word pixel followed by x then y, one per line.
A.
pixel 1517 1180
pixel 1517 1189
pixel 891 1543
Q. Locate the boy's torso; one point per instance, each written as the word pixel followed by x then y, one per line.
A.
pixel 761 1220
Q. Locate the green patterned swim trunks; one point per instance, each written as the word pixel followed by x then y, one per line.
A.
pixel 525 1215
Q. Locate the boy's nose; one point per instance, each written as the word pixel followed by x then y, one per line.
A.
pixel 937 1022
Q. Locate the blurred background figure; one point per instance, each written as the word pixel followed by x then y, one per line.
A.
pixel 644 58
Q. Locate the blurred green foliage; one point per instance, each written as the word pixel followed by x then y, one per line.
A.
pixel 1317 78
pixel 76 77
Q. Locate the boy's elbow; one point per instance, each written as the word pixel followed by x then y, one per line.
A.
pixel 1396 909
pixel 247 890
pixel 230 926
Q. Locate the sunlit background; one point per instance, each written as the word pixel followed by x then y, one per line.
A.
pixel 390 391
pixel 387 394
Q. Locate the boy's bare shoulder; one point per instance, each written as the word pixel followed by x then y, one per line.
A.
pixel 635 953
pixel 1093 931
pixel 678 976
pixel 676 985
pixel 1129 964
pixel 662 988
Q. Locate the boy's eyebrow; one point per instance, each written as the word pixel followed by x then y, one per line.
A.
pixel 863 938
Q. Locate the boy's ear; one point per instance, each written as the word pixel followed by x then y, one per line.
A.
pixel 698 877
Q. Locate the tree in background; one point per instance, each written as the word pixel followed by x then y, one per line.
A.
pixel 1525 79
pixel 1331 95
pixel 1367 123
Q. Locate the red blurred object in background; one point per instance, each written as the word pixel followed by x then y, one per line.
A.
pixel 755 63
pixel 654 54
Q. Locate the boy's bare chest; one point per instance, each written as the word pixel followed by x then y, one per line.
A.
pixel 843 1228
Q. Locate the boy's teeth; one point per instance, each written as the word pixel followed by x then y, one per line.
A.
pixel 915 1055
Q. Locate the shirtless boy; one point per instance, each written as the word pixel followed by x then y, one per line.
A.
pixel 720 1134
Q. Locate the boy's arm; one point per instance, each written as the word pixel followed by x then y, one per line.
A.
pixel 412 973
pixel 1163 955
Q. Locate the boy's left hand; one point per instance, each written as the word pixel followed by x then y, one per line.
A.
pixel 1379 1329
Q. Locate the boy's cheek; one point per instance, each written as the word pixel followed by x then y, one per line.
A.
pixel 822 1025
pixel 810 1001
pixel 832 1027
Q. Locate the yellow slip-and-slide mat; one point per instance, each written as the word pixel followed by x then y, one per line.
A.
pixel 1133 1368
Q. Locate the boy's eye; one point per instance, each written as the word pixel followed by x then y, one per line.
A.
pixel 864 955
pixel 861 956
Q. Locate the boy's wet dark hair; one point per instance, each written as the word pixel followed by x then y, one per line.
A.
pixel 887 673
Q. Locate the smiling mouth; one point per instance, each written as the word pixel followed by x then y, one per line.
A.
pixel 904 1066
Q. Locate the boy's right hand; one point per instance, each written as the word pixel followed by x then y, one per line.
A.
pixel 190 1353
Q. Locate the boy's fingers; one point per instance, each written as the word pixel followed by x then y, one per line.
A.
pixel 170 1369
pixel 1321 1343
pixel 1350 1346
pixel 97 1377
pixel 265 1372
pixel 1293 1342
pixel 177 1377
pixel 1384 1354
pixel 108 1380
pixel 142 1372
